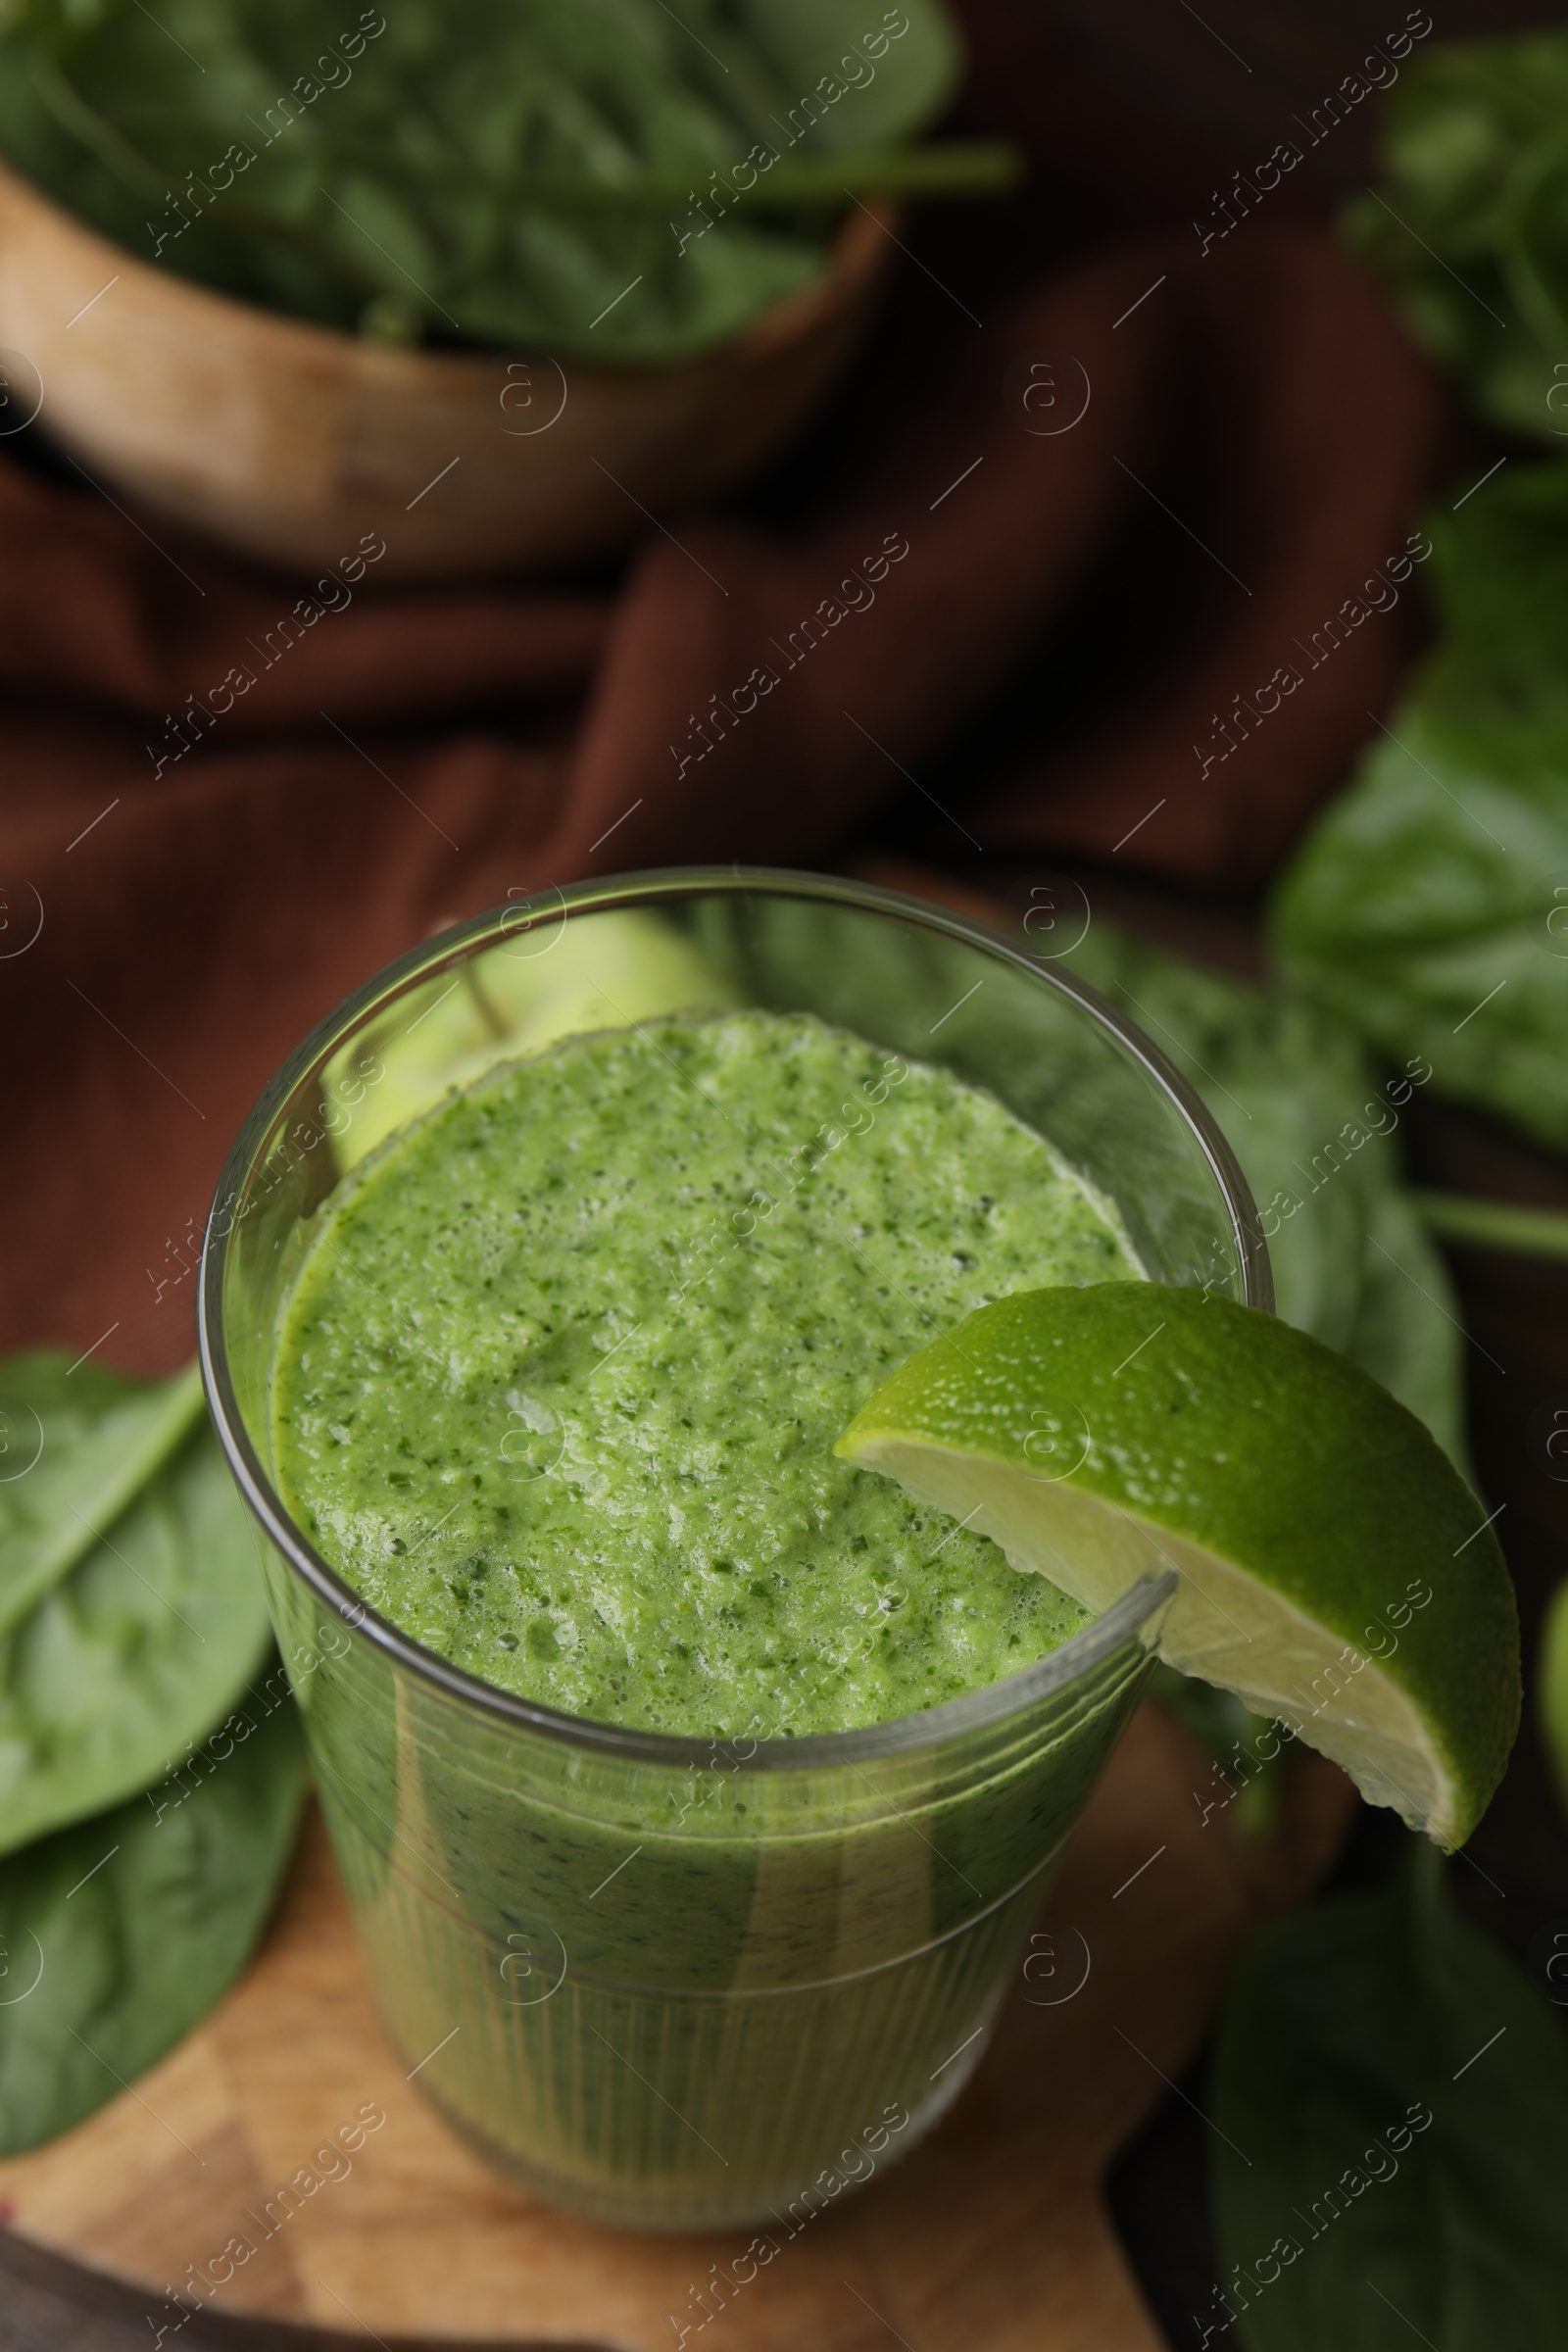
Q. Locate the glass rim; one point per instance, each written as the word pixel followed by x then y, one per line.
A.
pixel 929 1727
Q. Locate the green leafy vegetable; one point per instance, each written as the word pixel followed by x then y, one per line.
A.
pixel 1391 2108
pixel 1469 231
pixel 116 1937
pixel 75 1444
pixel 607 179
pixel 1428 908
pixel 1499 580
pixel 1418 908
pixel 1291 1090
pixel 156 1615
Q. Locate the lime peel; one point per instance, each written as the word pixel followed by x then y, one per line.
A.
pixel 1336 1570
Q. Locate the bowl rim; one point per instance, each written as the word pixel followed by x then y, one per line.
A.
pixel 852 271
pixel 1134 1614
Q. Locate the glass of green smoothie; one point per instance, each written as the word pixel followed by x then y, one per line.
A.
pixel 694 1789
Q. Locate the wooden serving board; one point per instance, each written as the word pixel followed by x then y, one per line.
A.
pixel 991 2235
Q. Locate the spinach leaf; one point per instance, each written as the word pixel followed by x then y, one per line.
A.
pixel 1498 581
pixel 138 1649
pixel 1469 230
pixel 116 1936
pixel 75 1444
pixel 1391 2107
pixel 1291 1090
pixel 586 176
pixel 1428 907
pixel 813 41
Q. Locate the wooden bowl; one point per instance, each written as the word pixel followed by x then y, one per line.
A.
pixel 288 442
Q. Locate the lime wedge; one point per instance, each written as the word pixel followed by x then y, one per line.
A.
pixel 1336 1572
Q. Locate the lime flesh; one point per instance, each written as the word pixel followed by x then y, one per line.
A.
pixel 1334 1570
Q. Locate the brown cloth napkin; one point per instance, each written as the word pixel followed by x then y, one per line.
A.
pixel 1187 603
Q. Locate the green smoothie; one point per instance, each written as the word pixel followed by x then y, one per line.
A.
pixel 557 1376
pixel 558 1385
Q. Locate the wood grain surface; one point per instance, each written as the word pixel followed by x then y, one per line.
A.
pixel 992 2237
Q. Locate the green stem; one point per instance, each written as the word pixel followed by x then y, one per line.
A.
pixel 1494 1224
pixel 957 168
pixel 90 129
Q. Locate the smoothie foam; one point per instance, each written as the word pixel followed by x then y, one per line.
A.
pixel 556 1383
